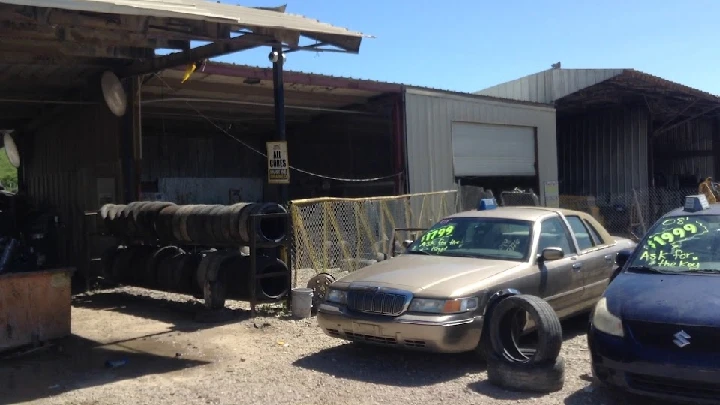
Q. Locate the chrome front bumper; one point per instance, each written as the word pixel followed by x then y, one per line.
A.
pixel 436 333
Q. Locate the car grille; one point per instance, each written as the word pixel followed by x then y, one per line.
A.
pixel 703 339
pixel 672 386
pixel 377 302
pixel 356 337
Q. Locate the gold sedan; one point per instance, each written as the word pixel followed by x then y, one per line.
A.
pixel 434 296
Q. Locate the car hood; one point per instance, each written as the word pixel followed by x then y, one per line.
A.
pixel 690 299
pixel 440 276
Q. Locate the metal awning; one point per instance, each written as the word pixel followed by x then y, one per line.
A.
pixel 272 22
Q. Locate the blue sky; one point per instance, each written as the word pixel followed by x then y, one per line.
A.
pixel 467 45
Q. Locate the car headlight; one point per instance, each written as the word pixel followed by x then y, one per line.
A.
pixel 336 296
pixel 435 306
pixel 606 322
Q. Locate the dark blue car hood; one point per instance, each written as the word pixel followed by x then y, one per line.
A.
pixel 677 299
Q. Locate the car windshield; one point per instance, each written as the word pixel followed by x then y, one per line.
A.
pixel 681 245
pixel 488 238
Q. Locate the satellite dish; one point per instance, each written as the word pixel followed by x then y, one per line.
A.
pixel 11 150
pixel 114 94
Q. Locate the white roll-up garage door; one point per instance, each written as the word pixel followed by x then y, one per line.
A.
pixel 493 150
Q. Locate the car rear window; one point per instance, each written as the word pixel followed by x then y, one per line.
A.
pixel 582 234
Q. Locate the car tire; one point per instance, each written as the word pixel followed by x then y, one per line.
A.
pixel 547 323
pixel 545 377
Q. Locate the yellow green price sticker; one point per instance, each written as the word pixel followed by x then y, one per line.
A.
pixel 683 228
pixel 446 230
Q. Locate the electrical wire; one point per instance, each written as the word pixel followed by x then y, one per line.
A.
pixel 245 144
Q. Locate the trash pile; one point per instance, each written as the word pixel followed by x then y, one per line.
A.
pixel 28 236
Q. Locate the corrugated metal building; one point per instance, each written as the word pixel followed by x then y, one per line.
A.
pixel 620 130
pixel 76 154
pixel 496 143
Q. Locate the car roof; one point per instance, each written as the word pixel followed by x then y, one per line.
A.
pixel 527 213
pixel 714 209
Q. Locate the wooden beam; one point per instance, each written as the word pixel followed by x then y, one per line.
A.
pixel 202 89
pixel 154 27
pixel 241 43
pixel 74 49
pixel 15 57
pixel 18 31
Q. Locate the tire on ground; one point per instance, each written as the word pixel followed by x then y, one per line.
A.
pixel 548 326
pixel 545 377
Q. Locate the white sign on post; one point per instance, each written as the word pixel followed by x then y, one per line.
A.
pixel 278 166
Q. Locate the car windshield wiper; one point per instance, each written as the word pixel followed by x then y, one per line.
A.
pixel 474 256
pixel 418 252
pixel 706 271
pixel 646 269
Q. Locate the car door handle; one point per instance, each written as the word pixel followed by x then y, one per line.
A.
pixel 577 266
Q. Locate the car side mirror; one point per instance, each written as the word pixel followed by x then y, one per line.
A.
pixel 622 257
pixel 551 253
pixel 407 242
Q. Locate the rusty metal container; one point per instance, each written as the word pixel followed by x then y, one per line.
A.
pixel 34 307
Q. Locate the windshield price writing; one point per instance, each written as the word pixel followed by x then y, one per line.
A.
pixel 437 239
pixel 438 233
pixel 676 230
pixel 664 248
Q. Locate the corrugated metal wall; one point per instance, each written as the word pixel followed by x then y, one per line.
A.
pixel 603 151
pixel 692 137
pixel 549 85
pixel 429 118
pixel 342 145
pixel 62 163
pixel 200 156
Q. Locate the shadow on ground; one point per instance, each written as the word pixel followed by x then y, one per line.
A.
pixel 185 316
pixel 74 363
pixel 388 366
pixel 379 365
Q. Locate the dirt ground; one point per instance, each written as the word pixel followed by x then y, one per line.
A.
pixel 174 355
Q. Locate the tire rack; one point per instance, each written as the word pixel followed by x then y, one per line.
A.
pixel 283 250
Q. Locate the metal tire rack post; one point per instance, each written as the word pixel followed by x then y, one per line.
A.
pixel 285 244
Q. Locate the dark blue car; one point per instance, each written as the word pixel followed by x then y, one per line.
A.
pixel 656 330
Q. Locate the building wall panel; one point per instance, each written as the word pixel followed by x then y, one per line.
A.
pixel 602 152
pixel 62 163
pixel 429 118
pixel 677 147
pixel 206 155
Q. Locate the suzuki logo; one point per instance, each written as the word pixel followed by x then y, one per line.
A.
pixel 682 339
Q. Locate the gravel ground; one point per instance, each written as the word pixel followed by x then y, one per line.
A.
pixel 176 355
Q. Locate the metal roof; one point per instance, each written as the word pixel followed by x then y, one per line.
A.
pixel 551 85
pixel 216 12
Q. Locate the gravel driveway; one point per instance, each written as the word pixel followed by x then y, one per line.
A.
pixel 175 357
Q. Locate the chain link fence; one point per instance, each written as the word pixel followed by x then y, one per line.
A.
pixel 628 214
pixel 340 235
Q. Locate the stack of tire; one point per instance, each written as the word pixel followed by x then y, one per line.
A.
pixel 166 268
pixel 212 274
pixel 509 366
pixel 193 224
